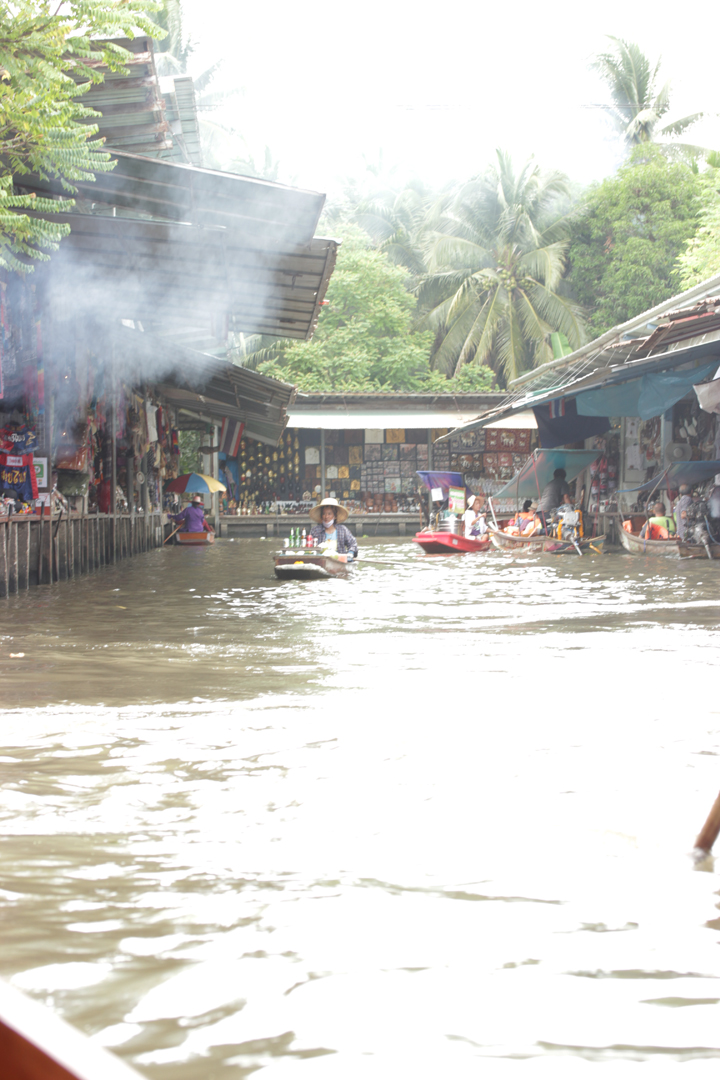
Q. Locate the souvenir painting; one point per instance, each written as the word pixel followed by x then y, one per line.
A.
pixel 389 453
pixel 407 452
pixel 373 452
pixel 393 485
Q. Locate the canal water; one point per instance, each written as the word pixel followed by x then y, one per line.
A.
pixel 431 820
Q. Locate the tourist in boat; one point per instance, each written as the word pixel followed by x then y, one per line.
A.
pixel 474 519
pixel 192 517
pixel 526 522
pixel 660 526
pixel 552 496
pixel 330 532
pixel 681 508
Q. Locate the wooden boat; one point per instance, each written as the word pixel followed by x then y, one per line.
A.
pixel 548 545
pixel 633 544
pixel 195 539
pixel 446 543
pixel 697 551
pixel 304 565
pixel 35 1044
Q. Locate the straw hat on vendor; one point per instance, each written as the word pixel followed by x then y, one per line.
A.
pixel 341 514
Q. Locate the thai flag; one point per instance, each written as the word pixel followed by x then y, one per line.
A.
pixel 557 408
pixel 230 436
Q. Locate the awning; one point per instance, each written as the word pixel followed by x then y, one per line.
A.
pixel 681 472
pixel 444 480
pixel 538 471
pixel 204 385
pixel 301 418
pixel 652 395
pixel 184 276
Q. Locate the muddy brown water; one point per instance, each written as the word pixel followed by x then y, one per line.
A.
pixel 430 820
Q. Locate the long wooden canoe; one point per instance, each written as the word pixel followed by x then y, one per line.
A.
pixel 447 543
pixel 633 544
pixel 549 545
pixel 195 539
pixel 35 1044
pixel 301 566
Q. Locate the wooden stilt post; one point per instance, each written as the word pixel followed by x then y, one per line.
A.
pixel 4 576
pixel 12 556
pixel 709 832
pixel 25 579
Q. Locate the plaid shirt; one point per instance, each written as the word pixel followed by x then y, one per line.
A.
pixel 345 540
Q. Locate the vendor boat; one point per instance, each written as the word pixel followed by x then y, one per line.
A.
pixel 549 545
pixel 305 565
pixel 444 542
pixel 196 539
pixel 636 545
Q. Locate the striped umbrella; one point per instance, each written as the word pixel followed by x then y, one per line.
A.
pixel 196 483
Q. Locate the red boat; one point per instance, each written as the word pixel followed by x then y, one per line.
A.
pixel 450 543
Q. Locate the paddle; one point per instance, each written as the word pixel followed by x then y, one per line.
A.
pixel 172 534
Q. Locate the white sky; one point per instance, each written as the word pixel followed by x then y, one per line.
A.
pixel 436 87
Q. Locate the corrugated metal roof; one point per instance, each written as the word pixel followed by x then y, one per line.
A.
pixel 133 111
pixel 261 210
pixel 187 276
pixel 208 386
pixel 181 114
pixel 687 334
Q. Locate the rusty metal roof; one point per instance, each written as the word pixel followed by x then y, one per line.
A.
pixel 181 114
pixel 133 110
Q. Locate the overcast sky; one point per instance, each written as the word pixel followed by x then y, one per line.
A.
pixel 436 88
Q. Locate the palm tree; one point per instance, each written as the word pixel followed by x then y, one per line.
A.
pixel 496 259
pixel 638 106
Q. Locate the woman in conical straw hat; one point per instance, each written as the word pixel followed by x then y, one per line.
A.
pixel 329 531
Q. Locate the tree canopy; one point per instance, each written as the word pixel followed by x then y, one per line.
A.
pixel 496 261
pixel 638 104
pixel 701 258
pixel 629 231
pixel 366 338
pixel 49 57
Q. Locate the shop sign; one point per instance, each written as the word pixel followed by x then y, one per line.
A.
pixel 41 471
pixel 456 500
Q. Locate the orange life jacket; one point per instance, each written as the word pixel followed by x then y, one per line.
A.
pixel 657 532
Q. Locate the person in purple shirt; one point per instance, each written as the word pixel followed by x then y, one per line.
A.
pixel 192 517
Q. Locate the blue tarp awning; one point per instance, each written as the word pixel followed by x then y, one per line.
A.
pixel 652 395
pixel 681 472
pixel 442 480
pixel 538 471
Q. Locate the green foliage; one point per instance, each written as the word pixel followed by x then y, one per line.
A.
pixel 638 104
pixel 496 262
pixel 628 233
pixel 48 60
pixel 701 258
pixel 365 340
pixel 189 443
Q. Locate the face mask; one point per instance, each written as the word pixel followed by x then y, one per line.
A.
pixel 329 526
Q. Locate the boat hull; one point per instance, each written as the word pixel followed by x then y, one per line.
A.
pixel 301 567
pixel 549 545
pixel 195 539
pixel 697 551
pixel 635 546
pixel 447 543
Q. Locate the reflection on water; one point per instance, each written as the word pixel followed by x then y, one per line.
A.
pixel 385 826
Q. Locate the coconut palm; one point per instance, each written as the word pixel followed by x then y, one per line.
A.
pixel 496 260
pixel 638 106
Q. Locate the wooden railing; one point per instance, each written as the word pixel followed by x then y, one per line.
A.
pixel 41 550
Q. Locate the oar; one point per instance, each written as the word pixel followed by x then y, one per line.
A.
pixel 172 534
